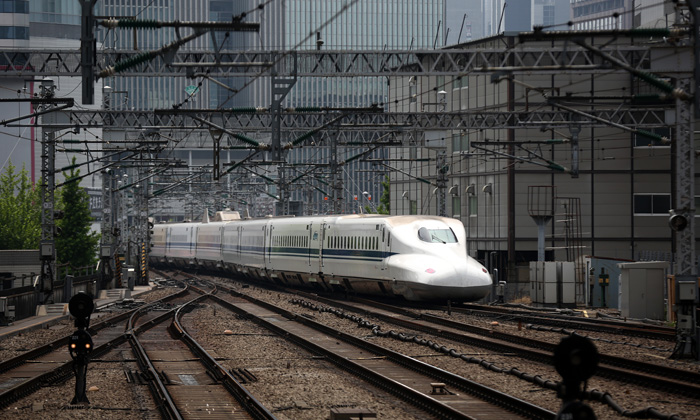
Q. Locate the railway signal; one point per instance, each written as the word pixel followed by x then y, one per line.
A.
pixel 575 359
pixel 80 343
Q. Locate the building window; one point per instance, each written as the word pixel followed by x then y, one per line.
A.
pixel 413 90
pixel 14 7
pixel 456 206
pixel 414 207
pixel 548 15
pixel 460 82
pixel 460 142
pixel 641 140
pixel 14 32
pixel 652 204
pixel 440 82
pixel 473 205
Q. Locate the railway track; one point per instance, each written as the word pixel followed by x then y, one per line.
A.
pixel 145 328
pixel 434 390
pixel 557 319
pixel 51 363
pixel 649 375
pixel 187 382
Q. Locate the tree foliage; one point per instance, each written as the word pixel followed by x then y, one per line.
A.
pixel 76 244
pixel 384 200
pixel 20 210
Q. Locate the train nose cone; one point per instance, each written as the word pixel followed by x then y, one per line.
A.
pixel 465 280
pixel 480 274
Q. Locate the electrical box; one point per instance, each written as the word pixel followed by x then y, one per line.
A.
pixel 553 283
pixel 642 289
pixel 105 251
pixel 687 290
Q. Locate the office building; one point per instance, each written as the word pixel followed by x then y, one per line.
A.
pixel 617 206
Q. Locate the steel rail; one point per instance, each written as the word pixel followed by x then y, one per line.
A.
pixel 251 404
pixel 611 367
pixel 63 341
pixel 437 408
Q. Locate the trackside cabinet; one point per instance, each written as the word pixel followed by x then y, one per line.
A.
pixel 642 289
pixel 553 283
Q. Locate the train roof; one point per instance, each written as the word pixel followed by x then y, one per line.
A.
pixel 395 220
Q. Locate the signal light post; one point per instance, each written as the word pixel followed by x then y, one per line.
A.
pixel 80 343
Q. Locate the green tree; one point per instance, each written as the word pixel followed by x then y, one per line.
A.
pixel 384 200
pixel 76 244
pixel 20 210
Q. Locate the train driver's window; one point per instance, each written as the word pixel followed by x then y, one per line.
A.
pixel 443 236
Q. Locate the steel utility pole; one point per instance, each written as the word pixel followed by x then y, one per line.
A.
pixel 280 87
pixel 682 219
pixel 107 231
pixel 336 177
pixel 442 170
pixel 88 50
pixel 47 249
pixel 107 226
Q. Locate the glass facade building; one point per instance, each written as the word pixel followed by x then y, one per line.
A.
pixel 364 25
pixel 14 23
pixel 285 25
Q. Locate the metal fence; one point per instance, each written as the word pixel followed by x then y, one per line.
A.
pixel 21 299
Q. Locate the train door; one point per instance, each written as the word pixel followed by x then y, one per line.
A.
pixel 239 243
pixel 384 245
pixel 193 240
pixel 167 240
pixel 268 244
pixel 312 244
pixel 322 235
pixel 221 244
pixel 315 247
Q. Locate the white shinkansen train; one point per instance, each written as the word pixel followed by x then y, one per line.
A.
pixel 416 257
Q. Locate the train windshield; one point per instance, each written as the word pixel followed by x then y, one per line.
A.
pixel 442 236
